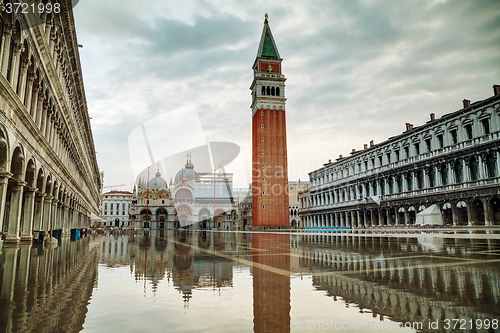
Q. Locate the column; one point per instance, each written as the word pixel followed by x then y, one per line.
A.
pixel 398 218
pixel 6 41
pixel 466 171
pixel 488 211
pixel 29 204
pixel 33 108
pixel 454 212
pixel 39 109
pixel 425 180
pixel 14 73
pixel 38 216
pixel 21 87
pixel 4 180
pixel 337 222
pixel 497 154
pixel 29 91
pixel 358 215
pixel 15 212
pixel 364 218
pixel 46 225
pixel 480 166
pixel 43 127
pixel 470 215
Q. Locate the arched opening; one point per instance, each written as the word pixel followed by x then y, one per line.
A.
pixel 277 91
pixel 263 90
pixel 183 195
pixel 412 216
pixel 461 213
pixel 203 217
pixel 447 213
pixel 444 174
pixel 268 90
pixel 161 216
pixel 495 209
pixel 272 91
pixel 477 208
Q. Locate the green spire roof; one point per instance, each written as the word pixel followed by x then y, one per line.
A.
pixel 267 47
pixel 268 50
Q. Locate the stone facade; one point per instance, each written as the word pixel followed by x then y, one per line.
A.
pixel 193 199
pixel 453 162
pixel 269 152
pixel 115 208
pixel 49 177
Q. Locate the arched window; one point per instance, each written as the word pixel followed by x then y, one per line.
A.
pixel 263 90
pixel 272 91
pixel 277 91
pixel 420 180
pixel 432 177
pixel 444 174
pixel 490 165
pixel 268 89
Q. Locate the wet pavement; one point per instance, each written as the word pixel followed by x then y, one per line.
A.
pixel 175 281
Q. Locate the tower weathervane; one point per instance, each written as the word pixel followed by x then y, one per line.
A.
pixel 266 16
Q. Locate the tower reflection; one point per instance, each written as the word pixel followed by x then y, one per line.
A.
pixel 271 282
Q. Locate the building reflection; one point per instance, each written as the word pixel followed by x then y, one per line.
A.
pixel 271 282
pixel 407 279
pixel 47 289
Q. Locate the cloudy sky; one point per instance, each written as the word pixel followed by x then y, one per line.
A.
pixel 356 70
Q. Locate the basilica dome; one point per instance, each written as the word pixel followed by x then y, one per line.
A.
pixel 157 182
pixel 187 173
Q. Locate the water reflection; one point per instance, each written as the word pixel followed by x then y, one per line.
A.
pixel 242 281
pixel 46 289
pixel 271 282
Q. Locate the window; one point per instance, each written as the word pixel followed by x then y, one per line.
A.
pixel 454 137
pixel 490 166
pixel 380 160
pixel 428 145
pixel 468 131
pixel 420 180
pixel 407 152
pixel 262 164
pixel 417 148
pixel 263 192
pixel 373 163
pixel 277 91
pixel 268 89
pixel 366 165
pixel 432 177
pixel 262 139
pixel 391 186
pixel 389 158
pixel 397 155
pixel 473 170
pixel 400 184
pixel 486 126
pixel 444 174
pixel 440 140
pixel 111 206
pixel 263 179
pixel 261 113
pixel 263 206
pixel 409 182
pixel 263 90
pixel 262 126
pixel 262 152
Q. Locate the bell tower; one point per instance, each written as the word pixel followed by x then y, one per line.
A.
pixel 269 153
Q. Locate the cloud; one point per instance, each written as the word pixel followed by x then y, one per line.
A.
pixel 356 70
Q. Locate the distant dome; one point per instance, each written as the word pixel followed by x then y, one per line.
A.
pixel 187 173
pixel 157 182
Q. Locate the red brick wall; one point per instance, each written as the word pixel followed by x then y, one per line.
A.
pixel 274 172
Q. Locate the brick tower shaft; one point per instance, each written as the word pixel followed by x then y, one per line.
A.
pixel 269 149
